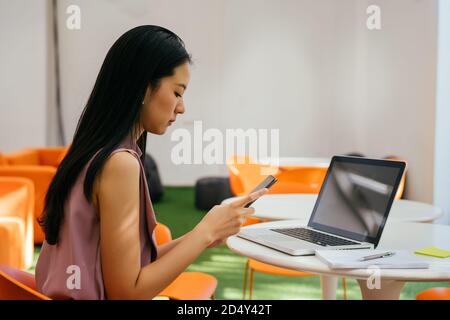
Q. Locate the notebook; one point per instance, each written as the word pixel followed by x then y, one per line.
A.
pixel 342 259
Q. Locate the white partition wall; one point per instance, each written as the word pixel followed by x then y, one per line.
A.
pixel 442 147
pixel 309 68
pixel 395 88
pixel 293 65
pixel 23 73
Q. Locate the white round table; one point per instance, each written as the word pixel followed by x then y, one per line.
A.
pixel 396 235
pixel 300 207
pixel 292 162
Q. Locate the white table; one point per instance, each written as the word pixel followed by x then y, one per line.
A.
pixel 396 235
pixel 300 206
pixel 291 162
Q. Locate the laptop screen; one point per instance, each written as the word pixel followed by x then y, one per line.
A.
pixel 356 197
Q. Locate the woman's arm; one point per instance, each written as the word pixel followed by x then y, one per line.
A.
pixel 166 247
pixel 118 201
pixel 118 204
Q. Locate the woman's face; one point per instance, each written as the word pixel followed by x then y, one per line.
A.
pixel 161 106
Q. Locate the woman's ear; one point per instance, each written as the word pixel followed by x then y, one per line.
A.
pixel 147 94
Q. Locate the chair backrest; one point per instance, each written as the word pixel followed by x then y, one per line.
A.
pixel 3 161
pixel 245 174
pixel 162 234
pixel 233 165
pixel 17 200
pixel 300 180
pixel 41 177
pixel 51 156
pixel 23 157
pixel 18 285
pixel 402 185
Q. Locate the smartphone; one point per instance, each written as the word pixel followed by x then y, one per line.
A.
pixel 267 183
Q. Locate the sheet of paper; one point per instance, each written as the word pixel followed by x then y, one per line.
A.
pixel 350 259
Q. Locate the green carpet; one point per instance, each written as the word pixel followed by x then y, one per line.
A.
pixel 177 211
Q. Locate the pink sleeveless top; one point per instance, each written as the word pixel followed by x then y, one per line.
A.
pixel 78 248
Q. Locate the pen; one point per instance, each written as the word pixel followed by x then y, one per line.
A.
pixel 376 256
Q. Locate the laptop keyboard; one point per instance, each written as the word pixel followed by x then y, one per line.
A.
pixel 315 237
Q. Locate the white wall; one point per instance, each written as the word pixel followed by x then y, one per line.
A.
pixel 83 51
pixel 23 74
pixel 307 67
pixel 395 88
pixel 442 155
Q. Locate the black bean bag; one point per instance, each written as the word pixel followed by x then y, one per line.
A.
pixel 210 191
pixel 155 186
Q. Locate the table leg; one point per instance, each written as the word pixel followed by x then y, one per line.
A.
pixel 329 287
pixel 385 290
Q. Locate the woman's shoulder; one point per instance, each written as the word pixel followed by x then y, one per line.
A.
pixel 121 166
pixel 120 171
pixel 122 160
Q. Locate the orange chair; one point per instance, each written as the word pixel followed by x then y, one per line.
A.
pixel 16 222
pixel 3 161
pixel 41 177
pixel 300 180
pixel 434 294
pixel 295 180
pixel 49 156
pixel 233 173
pixel 188 285
pixel 12 235
pixel 401 186
pixel 18 285
pixel 38 165
pixel 256 266
pixel 245 174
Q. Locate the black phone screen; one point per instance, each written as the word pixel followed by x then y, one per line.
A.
pixel 266 183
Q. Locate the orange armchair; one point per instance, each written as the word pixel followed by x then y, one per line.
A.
pixel 38 165
pixel 49 156
pixel 12 235
pixel 41 177
pixel 16 222
pixel 18 285
pixel 3 161
pixel 188 285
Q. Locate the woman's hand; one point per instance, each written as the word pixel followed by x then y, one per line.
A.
pixel 216 243
pixel 225 220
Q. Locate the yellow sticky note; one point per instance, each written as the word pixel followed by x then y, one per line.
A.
pixel 434 252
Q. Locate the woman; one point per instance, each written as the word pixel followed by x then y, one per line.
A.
pixel 98 218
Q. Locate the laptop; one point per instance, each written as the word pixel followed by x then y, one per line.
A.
pixel 350 211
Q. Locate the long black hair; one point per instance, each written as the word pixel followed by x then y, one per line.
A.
pixel 138 59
